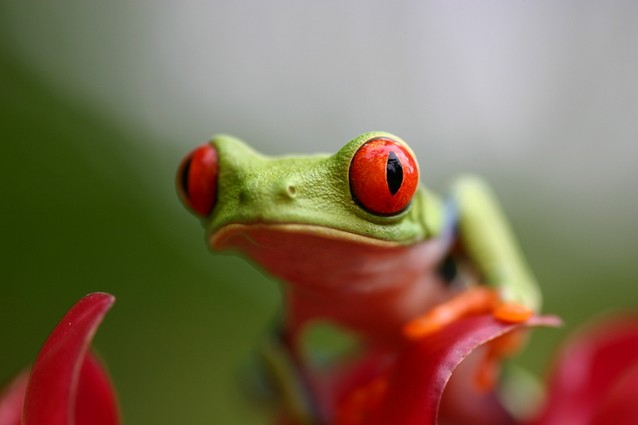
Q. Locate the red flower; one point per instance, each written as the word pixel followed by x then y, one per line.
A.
pixel 595 380
pixel 67 384
pixel 410 391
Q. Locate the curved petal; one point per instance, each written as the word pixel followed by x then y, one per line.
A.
pixel 64 379
pixel 592 374
pixel 11 400
pixel 423 370
pixel 95 402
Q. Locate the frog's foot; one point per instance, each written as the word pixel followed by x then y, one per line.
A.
pixel 511 312
pixel 475 300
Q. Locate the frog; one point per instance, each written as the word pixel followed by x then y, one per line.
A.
pixel 358 241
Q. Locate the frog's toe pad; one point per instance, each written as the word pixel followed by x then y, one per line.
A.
pixel 512 312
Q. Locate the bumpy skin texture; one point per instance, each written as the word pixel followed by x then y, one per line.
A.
pixel 311 190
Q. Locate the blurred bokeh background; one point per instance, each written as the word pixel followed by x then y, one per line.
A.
pixel 100 101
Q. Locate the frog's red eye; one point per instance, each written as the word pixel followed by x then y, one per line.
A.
pixel 197 180
pixel 383 176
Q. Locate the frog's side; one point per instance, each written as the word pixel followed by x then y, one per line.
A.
pixel 352 236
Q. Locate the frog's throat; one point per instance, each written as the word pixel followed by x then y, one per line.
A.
pixel 220 239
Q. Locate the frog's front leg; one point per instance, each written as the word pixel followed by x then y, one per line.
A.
pixel 291 377
pixel 488 242
pixel 485 239
pixel 511 293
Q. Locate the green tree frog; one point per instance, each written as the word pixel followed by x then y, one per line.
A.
pixel 356 240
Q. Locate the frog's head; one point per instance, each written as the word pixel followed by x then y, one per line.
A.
pixel 365 194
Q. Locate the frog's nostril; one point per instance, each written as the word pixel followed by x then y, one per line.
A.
pixel 286 191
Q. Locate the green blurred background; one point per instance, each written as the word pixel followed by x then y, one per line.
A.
pixel 100 101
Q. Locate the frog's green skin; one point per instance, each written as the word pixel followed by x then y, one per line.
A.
pixel 296 217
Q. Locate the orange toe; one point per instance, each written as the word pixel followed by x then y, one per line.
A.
pixel 423 326
pixel 475 300
pixel 512 312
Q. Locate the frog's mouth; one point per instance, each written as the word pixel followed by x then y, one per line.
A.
pixel 317 256
pixel 288 235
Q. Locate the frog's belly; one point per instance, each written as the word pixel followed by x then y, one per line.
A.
pixel 367 285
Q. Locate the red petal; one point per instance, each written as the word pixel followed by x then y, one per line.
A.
pixel 423 370
pixel 619 407
pixel 593 374
pixel 63 377
pixel 11 400
pixel 95 402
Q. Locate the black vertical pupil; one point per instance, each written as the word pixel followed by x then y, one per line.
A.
pixel 394 173
pixel 185 176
